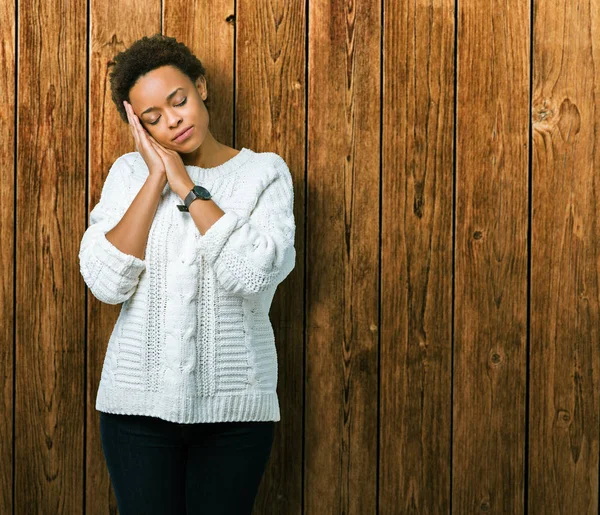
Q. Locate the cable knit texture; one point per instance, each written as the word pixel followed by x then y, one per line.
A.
pixel 193 341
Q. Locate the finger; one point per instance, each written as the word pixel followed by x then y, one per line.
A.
pixel 153 141
pixel 144 134
pixel 130 115
pixel 129 120
pixel 139 131
pixel 129 111
pixel 142 131
pixel 158 147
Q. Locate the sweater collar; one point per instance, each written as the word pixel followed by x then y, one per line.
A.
pixel 199 174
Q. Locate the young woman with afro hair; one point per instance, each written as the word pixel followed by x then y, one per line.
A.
pixel 193 237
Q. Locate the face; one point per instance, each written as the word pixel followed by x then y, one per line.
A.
pixel 166 101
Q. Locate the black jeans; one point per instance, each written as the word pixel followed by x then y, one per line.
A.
pixel 159 467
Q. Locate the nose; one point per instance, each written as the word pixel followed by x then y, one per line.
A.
pixel 173 118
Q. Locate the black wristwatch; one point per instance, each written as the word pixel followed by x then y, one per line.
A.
pixel 195 193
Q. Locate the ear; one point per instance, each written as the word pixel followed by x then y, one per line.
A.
pixel 201 86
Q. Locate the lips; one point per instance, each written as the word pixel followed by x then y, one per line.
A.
pixel 182 132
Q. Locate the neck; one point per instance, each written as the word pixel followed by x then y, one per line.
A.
pixel 206 155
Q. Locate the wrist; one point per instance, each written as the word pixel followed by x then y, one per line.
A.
pixel 157 179
pixel 183 190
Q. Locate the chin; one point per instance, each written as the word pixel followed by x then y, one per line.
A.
pixel 191 147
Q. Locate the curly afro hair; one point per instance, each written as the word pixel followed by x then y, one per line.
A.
pixel 143 56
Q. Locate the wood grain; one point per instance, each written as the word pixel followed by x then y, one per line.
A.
pixel 565 260
pixel 270 117
pixel 416 259
pixel 437 340
pixel 50 314
pixel 208 29
pixel 114 27
pixel 342 290
pixel 8 139
pixel 491 256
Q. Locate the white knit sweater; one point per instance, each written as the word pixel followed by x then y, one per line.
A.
pixel 193 341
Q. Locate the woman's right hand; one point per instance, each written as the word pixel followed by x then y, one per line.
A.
pixel 143 144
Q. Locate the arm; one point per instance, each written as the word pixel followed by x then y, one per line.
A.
pixel 254 253
pixel 130 235
pixel 112 247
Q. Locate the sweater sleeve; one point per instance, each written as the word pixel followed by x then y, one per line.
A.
pixel 252 254
pixel 111 275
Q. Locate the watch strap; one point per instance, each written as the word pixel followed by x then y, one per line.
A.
pixel 197 192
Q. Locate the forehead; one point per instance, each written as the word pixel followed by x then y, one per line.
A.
pixel 152 88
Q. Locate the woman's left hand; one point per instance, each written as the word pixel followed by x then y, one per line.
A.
pixel 177 176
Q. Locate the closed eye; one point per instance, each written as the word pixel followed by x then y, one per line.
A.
pixel 176 105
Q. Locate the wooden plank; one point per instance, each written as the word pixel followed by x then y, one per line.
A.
pixel 416 259
pixel 208 29
pixel 490 300
pixel 563 443
pixel 342 257
pixel 270 117
pixel 114 27
pixel 7 264
pixel 50 317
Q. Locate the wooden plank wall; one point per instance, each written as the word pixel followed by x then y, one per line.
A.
pixel 437 341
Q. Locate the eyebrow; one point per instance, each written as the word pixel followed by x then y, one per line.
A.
pixel 169 97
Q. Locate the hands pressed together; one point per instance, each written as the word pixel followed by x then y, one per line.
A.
pixel 160 160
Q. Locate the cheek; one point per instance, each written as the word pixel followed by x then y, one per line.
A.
pixel 155 132
pixel 204 119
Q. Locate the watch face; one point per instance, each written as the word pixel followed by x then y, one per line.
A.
pixel 202 192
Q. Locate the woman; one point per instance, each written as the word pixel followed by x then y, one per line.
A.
pixel 193 237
